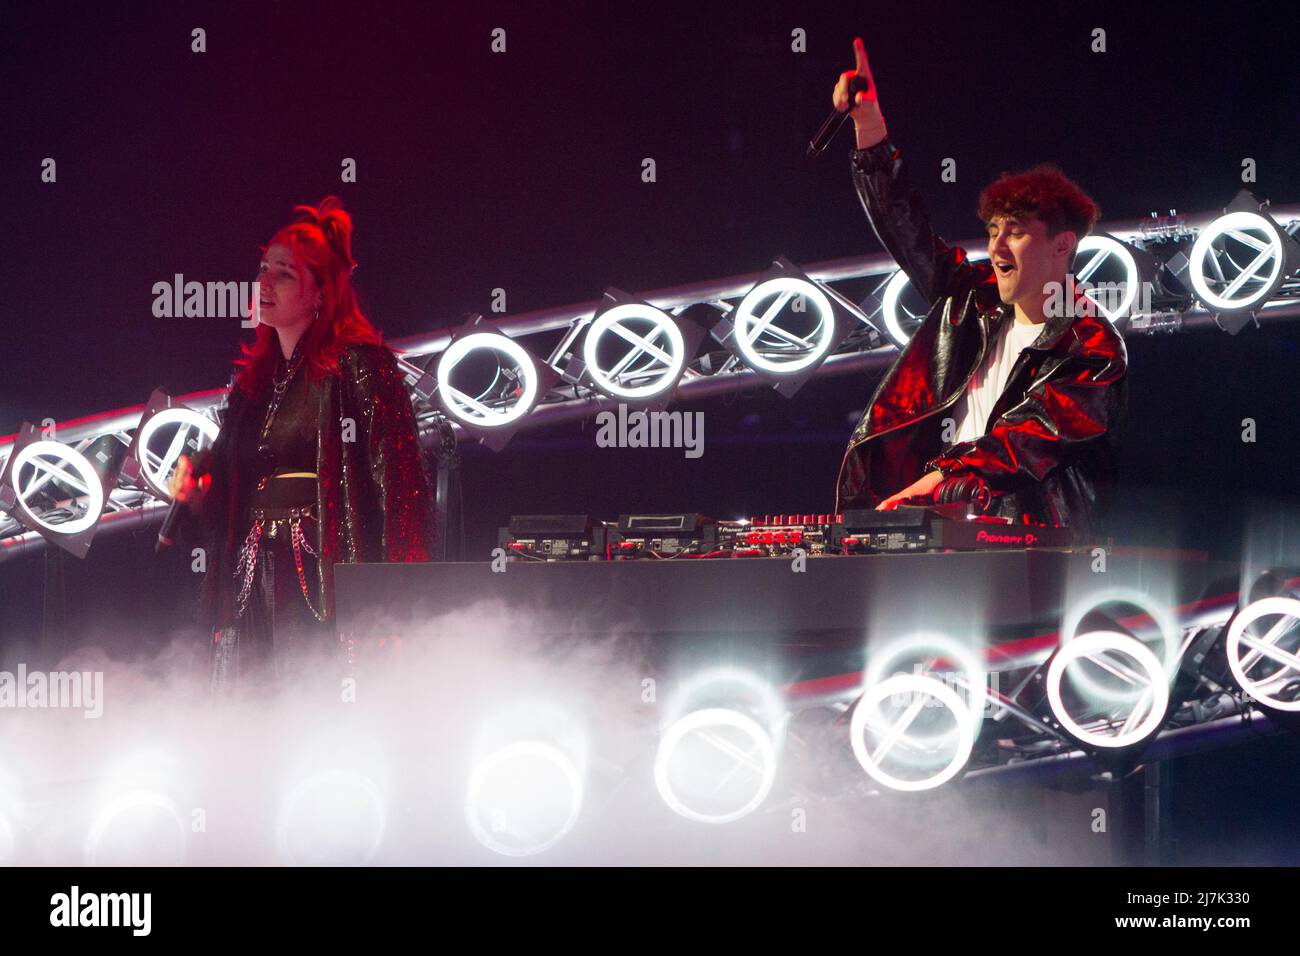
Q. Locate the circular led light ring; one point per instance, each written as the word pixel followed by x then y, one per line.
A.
pixel 330 781
pixel 889 308
pixel 462 406
pixel 770 704
pixel 889 304
pixel 1234 222
pixel 129 801
pixel 1105 247
pixel 913 684
pixel 525 748
pixel 783 285
pixel 969 666
pixel 1169 633
pixel 94 487
pixel 715 717
pixel 186 418
pixel 613 321
pixel 1264 607
pixel 1097 642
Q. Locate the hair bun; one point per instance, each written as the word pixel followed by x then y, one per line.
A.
pixel 334 223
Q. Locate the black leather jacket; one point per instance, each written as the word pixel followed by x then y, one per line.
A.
pixel 373 498
pixel 1049 447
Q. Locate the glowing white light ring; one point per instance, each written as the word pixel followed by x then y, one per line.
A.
pixel 613 321
pixel 889 308
pixel 1235 222
pixel 770 703
pixel 1264 607
pixel 1097 642
pixel 968 665
pixel 523 748
pixel 1169 632
pixel 744 318
pixel 128 801
pixel 329 780
pixel 715 717
pixel 187 419
pixel 465 408
pixel 79 462
pixel 913 684
pixel 1105 247
pixel 890 299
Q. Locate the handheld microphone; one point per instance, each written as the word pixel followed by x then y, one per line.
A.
pixel 167 533
pixel 826 132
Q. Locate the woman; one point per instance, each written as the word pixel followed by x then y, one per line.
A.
pixel 317 462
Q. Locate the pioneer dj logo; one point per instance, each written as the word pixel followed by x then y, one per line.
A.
pixel 642 429
pixel 1025 539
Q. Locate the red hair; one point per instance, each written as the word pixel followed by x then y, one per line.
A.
pixel 320 239
pixel 1045 193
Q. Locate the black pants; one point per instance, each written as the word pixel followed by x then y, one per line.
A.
pixel 277 643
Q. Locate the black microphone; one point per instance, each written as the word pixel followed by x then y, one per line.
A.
pixel 167 533
pixel 822 138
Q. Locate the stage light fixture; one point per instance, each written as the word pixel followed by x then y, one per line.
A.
pixel 1239 260
pixel 1100 254
pixel 138 827
pixel 139 813
pixel 49 465
pixel 527 784
pixel 786 325
pixel 894 734
pixel 718 755
pixel 486 382
pixel 1267 666
pixel 524 798
pixel 1105 731
pixel 922 654
pixel 633 351
pixel 333 818
pixel 900 309
pixel 1092 603
pixel 699 763
pixel 192 432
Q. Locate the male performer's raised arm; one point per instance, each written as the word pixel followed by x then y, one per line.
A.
pixel 892 203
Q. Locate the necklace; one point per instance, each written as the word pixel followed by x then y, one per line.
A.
pixel 279 387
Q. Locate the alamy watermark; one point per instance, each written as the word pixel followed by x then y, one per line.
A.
pixel 80 690
pixel 207 300
pixel 954 681
pixel 646 429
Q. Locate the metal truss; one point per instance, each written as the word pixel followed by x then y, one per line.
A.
pixel 869 344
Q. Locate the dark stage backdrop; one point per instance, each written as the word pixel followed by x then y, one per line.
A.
pixel 522 171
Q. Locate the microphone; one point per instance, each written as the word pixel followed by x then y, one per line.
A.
pixel 167 533
pixel 171 525
pixel 826 132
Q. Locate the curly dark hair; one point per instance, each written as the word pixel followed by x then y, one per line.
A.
pixel 1045 193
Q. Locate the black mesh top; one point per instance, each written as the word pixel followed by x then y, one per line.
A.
pixel 291 443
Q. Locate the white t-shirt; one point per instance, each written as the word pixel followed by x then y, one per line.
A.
pixel 988 382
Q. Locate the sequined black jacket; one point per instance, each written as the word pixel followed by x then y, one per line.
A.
pixel 373 500
pixel 1049 447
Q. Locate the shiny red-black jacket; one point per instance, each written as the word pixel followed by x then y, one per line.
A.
pixel 372 496
pixel 1049 447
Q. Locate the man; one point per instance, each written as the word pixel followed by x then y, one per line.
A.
pixel 1008 394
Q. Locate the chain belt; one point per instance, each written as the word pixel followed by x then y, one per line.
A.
pixel 268 522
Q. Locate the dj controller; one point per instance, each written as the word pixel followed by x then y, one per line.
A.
pixel 691 535
pixel 948 649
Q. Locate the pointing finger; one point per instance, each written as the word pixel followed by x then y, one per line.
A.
pixel 860 56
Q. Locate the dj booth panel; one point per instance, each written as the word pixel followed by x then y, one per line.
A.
pixel 759 606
